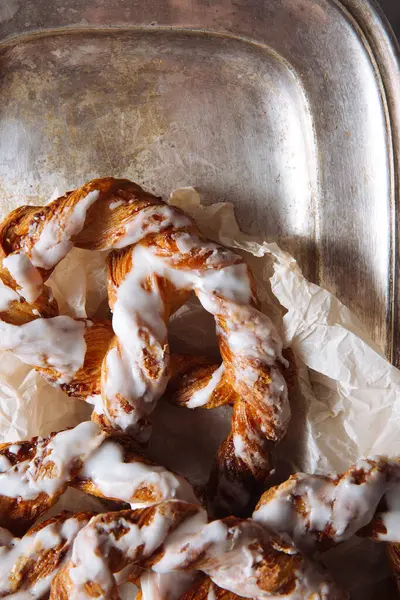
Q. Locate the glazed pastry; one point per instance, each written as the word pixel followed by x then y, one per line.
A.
pixel 394 561
pixel 317 511
pixel 35 473
pixel 205 589
pixel 28 565
pixel 239 555
pixel 158 257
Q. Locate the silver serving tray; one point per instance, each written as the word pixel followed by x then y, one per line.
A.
pixel 287 108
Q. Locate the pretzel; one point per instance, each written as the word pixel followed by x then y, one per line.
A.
pixel 158 257
pixel 316 511
pixel 35 473
pixel 238 555
pixel 28 565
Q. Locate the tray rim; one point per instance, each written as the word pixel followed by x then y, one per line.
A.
pixel 384 50
pixel 375 32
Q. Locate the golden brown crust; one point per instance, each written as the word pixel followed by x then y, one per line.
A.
pixel 146 493
pixel 109 530
pixel 191 373
pixel 162 539
pixel 257 422
pixel 393 551
pixel 203 588
pixel 37 560
pixel 318 511
pixel 32 463
pixel 17 514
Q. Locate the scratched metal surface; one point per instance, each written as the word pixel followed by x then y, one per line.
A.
pixel 287 108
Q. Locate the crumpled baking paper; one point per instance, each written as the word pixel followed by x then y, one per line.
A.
pixel 347 402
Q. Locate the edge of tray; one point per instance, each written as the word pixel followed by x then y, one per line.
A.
pixel 377 36
pixel 384 51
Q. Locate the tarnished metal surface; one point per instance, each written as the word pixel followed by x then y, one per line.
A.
pixel 287 108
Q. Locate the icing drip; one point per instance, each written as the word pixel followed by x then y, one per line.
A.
pixel 89 562
pixel 151 220
pixel 336 508
pixel 25 275
pixel 16 552
pixel 122 480
pixel 202 396
pixel 58 342
pixel 54 241
pixel 165 586
pixel 7 296
pixel 138 322
pixel 53 464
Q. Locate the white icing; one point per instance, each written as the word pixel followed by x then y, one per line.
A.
pixel 211 594
pixel 14 552
pixel 54 241
pixel 231 283
pixel 6 537
pixel 354 505
pixel 202 396
pixel 57 342
pixel 25 275
pixel 165 586
pixel 138 321
pixel 94 543
pixel 391 518
pixel 345 506
pixel 29 478
pixel 129 378
pixel 120 480
pixel 96 402
pixel 7 295
pixel 186 242
pixel 91 565
pixel 240 446
pixel 5 464
pixel 116 204
pixel 233 556
pixel 151 220
pixel 177 548
pixel 189 242
pixel 14 448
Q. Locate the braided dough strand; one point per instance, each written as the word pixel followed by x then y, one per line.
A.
pixel 35 473
pixel 205 589
pixel 28 565
pixel 157 258
pixel 316 511
pixel 239 556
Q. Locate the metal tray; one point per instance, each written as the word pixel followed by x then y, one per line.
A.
pixel 287 108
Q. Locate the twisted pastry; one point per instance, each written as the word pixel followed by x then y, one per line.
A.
pixel 28 565
pixel 205 589
pixel 157 258
pixel 393 551
pixel 34 474
pixel 238 555
pixel 171 586
pixel 316 511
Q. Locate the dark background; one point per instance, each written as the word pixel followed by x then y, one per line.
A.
pixel 392 10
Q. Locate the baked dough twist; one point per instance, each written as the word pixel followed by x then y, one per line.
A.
pixel 29 565
pixel 35 473
pixel 317 511
pixel 157 258
pixel 238 555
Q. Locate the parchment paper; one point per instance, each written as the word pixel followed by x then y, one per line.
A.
pixel 347 403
